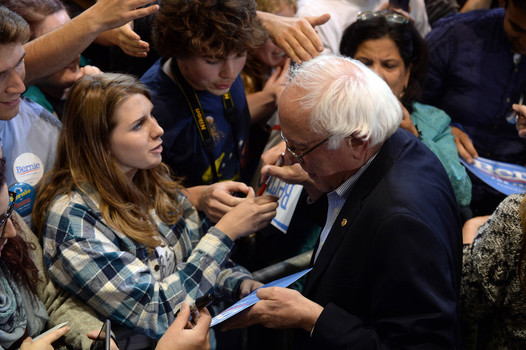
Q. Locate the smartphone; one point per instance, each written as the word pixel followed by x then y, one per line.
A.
pixel 399 4
pixel 58 326
pixel 103 341
pixel 200 303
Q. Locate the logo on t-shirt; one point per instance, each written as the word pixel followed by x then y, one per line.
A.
pixel 28 168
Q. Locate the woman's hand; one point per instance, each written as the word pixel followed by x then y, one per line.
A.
pixel 465 147
pixel 407 122
pixel 252 214
pixel 185 335
pixel 247 287
pixel 94 335
pixel 217 199
pixel 45 342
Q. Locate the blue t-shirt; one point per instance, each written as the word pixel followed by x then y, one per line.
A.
pixel 29 145
pixel 183 149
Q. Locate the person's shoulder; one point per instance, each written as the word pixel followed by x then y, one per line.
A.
pixel 153 74
pixel 475 19
pixel 511 203
pixel 409 156
pixel 31 110
pixel 430 115
pixel 73 203
pixel 34 93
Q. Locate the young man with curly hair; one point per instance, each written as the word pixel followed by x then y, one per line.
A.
pixel 198 94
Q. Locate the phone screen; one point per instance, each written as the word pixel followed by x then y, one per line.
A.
pixel 103 341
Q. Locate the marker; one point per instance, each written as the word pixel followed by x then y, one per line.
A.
pixel 517 114
pixel 63 324
pixel 265 184
pixel 200 303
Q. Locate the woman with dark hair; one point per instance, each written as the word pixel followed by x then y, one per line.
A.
pixel 388 43
pixel 119 232
pixel 493 288
pixel 29 301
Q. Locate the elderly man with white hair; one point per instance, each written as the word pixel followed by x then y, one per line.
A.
pixel 386 269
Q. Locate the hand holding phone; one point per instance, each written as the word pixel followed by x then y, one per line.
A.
pixel 103 340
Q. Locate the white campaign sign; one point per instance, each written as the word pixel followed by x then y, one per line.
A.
pixel 288 199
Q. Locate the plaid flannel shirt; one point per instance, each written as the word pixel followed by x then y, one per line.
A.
pixel 109 271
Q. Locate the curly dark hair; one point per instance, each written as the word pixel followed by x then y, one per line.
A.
pixel 412 47
pixel 16 251
pixel 215 28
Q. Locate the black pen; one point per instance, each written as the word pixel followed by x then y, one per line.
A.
pixel 517 114
pixel 200 303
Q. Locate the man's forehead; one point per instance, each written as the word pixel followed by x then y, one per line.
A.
pixel 289 106
pixel 295 119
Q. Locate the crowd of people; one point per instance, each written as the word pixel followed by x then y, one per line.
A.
pixel 135 136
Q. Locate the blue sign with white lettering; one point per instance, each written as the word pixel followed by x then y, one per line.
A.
pixel 504 177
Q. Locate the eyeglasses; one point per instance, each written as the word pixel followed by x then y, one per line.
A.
pixel 299 157
pixel 389 15
pixel 3 223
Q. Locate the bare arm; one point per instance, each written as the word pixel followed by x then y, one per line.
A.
pixel 262 104
pixel 53 51
pixel 471 227
pixel 471 5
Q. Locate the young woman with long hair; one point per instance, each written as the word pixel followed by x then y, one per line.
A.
pixel 118 231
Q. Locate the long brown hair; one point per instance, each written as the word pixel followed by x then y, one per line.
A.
pixel 84 161
pixel 16 251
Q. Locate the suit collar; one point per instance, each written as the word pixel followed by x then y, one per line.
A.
pixel 387 156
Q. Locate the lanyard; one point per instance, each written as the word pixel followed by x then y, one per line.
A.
pixel 199 115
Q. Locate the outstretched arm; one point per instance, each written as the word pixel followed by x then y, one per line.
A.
pixel 53 51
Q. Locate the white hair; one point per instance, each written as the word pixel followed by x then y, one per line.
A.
pixel 345 98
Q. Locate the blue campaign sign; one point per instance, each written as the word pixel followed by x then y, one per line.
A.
pixel 251 299
pixel 504 177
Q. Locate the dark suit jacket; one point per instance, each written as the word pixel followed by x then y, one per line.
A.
pixel 388 274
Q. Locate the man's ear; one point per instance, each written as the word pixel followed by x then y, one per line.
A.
pixel 358 146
